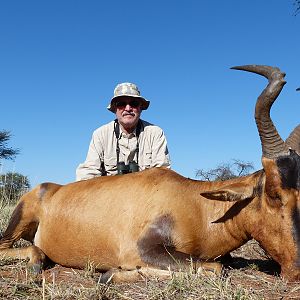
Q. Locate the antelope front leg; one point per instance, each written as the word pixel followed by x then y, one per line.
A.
pixel 139 274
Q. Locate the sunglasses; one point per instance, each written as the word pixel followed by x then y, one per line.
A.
pixel 132 103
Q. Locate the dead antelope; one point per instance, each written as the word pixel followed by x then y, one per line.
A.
pixel 152 221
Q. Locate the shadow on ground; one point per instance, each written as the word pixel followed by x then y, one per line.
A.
pixel 267 266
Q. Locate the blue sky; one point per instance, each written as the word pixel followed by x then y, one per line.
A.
pixel 60 61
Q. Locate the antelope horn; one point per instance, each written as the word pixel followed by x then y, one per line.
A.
pixel 272 143
pixel 293 141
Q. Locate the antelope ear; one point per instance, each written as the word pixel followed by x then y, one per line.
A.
pixel 232 192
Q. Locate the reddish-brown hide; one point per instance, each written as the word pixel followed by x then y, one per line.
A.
pixel 148 222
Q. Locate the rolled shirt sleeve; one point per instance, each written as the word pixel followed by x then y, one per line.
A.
pixel 159 149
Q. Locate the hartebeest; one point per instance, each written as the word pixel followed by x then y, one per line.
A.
pixel 155 220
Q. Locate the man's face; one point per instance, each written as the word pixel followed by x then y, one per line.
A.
pixel 128 112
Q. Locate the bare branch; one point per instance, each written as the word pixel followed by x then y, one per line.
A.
pixel 226 171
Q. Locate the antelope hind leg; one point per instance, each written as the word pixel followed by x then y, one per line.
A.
pixel 35 255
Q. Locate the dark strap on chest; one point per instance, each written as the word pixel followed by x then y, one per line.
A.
pixel 117 134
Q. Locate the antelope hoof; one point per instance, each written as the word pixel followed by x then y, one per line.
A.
pixel 35 269
pixel 107 277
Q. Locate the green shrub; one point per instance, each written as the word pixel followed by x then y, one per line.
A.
pixel 12 187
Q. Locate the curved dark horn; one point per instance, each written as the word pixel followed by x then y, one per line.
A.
pixel 293 141
pixel 272 144
pixel 298 89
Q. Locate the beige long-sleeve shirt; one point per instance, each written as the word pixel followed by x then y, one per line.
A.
pixel 102 157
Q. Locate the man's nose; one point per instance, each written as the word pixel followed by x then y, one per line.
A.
pixel 128 107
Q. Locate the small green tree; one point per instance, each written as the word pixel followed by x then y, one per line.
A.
pixel 5 151
pixel 226 171
pixel 13 186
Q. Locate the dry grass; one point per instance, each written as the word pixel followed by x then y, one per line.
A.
pixel 249 275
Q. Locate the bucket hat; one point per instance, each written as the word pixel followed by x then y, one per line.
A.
pixel 127 89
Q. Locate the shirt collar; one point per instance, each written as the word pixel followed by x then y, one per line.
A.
pixel 123 134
